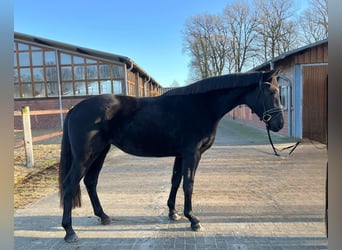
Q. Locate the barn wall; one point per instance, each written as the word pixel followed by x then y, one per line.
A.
pixel 314 56
pixel 315 102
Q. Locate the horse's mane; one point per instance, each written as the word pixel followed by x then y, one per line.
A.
pixel 218 82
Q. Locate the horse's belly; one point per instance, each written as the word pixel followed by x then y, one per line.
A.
pixel 147 147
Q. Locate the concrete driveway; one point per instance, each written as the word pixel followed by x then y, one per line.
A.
pixel 246 198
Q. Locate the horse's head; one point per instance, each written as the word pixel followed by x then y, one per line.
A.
pixel 265 101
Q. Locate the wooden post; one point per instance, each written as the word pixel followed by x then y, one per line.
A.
pixel 25 111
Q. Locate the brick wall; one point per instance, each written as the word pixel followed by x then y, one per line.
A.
pixel 52 121
pixel 243 114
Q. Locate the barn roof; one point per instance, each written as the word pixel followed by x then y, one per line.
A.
pixel 288 54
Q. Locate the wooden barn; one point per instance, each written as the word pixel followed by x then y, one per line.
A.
pixel 303 90
pixel 51 75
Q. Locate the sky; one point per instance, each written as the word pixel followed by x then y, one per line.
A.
pixel 147 31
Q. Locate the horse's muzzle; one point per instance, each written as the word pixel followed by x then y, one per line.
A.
pixel 276 123
pixel 274 118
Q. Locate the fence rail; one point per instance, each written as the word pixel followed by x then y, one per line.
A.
pixel 43 112
pixel 27 140
pixel 40 112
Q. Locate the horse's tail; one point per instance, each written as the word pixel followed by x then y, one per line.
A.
pixel 65 166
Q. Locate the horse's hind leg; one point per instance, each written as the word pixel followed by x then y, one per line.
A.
pixel 175 181
pixel 71 187
pixel 90 181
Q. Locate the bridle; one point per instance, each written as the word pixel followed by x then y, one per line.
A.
pixel 268 114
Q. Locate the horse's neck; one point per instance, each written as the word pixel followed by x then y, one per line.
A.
pixel 224 101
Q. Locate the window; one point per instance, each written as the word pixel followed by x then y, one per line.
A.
pixel 117 71
pixel 104 71
pixel 24 59
pixel 284 90
pixel 35 48
pixel 37 58
pixel 92 72
pixel 80 88
pixel 117 87
pixel 39 89
pixel 51 73
pixel 90 61
pixel 66 73
pixel 25 75
pixel 78 60
pixel 283 93
pixel 38 74
pixel 106 87
pixel 50 57
pixel 67 89
pixel 16 90
pixel 93 88
pixel 15 75
pixel 79 73
pixel 65 58
pixel 22 46
pixel 26 89
pixel 52 89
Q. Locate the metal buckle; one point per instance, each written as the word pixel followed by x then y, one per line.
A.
pixel 266 117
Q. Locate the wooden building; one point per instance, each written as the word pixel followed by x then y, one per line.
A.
pixel 303 90
pixel 50 75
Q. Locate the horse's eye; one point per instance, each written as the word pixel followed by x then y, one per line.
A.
pixel 272 92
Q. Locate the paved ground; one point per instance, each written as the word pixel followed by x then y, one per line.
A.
pixel 246 198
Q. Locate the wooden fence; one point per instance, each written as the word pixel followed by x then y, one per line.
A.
pixel 28 140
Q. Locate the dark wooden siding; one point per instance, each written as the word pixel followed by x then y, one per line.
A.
pixel 315 102
pixel 317 54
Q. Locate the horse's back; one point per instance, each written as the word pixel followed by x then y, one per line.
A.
pixel 103 105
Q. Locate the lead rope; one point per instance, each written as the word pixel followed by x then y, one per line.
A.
pixel 294 146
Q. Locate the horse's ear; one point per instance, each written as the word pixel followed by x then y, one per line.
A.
pixel 268 76
pixel 276 72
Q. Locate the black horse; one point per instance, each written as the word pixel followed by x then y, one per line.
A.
pixel 181 123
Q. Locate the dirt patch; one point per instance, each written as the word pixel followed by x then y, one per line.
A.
pixel 33 183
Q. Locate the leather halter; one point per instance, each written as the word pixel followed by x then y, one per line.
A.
pixel 267 115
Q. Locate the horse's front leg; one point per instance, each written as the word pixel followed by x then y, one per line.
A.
pixel 175 182
pixel 189 167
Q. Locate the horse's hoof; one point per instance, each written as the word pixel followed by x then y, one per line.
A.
pixel 106 221
pixel 174 216
pixel 71 238
pixel 197 227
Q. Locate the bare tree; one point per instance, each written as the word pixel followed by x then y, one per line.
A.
pixel 205 40
pixel 314 21
pixel 241 24
pixel 276 28
pixel 175 84
pixel 246 35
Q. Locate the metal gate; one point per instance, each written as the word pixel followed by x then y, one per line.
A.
pixel 315 102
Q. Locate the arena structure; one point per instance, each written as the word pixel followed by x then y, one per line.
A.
pixel 51 75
